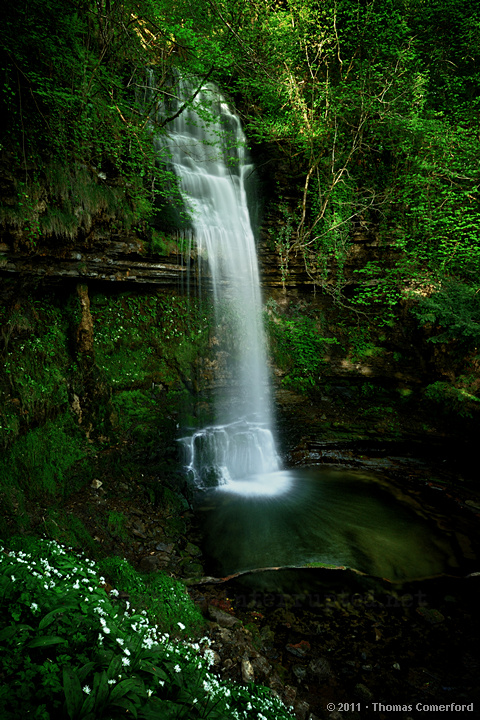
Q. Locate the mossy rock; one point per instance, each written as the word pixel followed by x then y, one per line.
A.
pixel 175 527
pixel 193 570
pixel 172 502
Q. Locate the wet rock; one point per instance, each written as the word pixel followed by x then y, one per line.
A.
pixel 301 709
pixel 174 527
pixel 267 635
pixel 138 529
pixel 165 547
pixel 362 692
pixel 289 695
pixel 172 502
pixel 424 680
pixel 224 619
pixel 151 563
pixel 275 684
pixel 216 659
pixel 225 635
pixel 299 649
pixel 192 549
pixel 431 615
pixel 320 667
pixel 193 570
pixel 261 667
pixel 299 672
pixel 473 504
pixel 84 334
pixel 248 674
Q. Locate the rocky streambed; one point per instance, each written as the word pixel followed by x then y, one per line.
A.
pixel 332 643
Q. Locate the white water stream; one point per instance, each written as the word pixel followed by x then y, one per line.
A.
pixel 255 514
pixel 207 149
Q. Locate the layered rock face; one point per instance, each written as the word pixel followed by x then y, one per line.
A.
pixel 119 261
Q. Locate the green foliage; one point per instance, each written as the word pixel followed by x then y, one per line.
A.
pixel 77 140
pixel 298 347
pixel 146 350
pixel 162 244
pixel 71 648
pixel 116 525
pixel 457 399
pixel 283 238
pixel 66 528
pixel 374 107
pixel 163 597
pixel 41 460
pixel 34 383
pixel 158 337
pixel 448 33
pixel 452 312
pixel 362 343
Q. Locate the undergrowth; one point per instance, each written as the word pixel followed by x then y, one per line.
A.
pixel 74 649
pixel 299 347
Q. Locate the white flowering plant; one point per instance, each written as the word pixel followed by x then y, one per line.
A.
pixel 72 649
pixel 145 591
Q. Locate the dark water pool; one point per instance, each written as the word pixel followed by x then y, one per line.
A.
pixel 328 516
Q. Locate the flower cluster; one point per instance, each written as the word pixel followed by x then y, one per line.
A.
pixel 132 657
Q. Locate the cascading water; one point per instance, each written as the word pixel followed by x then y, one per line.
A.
pixel 207 151
pixel 320 516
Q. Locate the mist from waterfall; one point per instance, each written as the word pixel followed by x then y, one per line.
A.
pixel 206 146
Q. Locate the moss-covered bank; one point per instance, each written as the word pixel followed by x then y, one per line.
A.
pixel 93 384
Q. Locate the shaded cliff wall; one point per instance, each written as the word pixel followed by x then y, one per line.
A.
pixel 94 379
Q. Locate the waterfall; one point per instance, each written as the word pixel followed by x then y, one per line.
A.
pixel 206 146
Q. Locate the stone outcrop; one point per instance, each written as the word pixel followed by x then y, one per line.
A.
pixel 119 261
pixel 290 272
pixel 84 333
